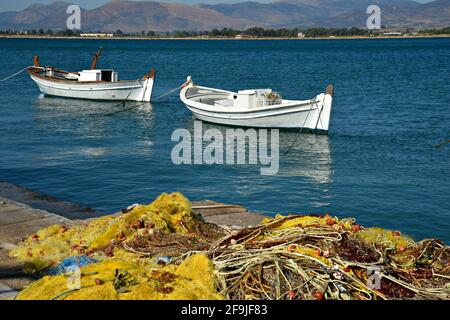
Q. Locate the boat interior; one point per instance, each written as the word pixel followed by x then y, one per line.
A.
pixel 253 98
pixel 56 74
pixel 207 96
pixel 49 72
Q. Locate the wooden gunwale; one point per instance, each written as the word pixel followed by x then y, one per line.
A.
pixel 32 71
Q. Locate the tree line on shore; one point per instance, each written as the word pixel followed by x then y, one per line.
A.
pixel 439 31
pixel 255 32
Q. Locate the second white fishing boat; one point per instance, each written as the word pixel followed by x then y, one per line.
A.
pixel 259 108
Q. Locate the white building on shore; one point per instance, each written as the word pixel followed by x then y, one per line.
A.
pixel 393 33
pixel 243 36
pixel 96 35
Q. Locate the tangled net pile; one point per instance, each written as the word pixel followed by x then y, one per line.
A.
pixel 326 258
pixel 165 251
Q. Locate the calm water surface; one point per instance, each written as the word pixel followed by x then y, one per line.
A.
pixel 378 164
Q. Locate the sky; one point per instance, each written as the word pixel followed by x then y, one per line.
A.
pixel 17 5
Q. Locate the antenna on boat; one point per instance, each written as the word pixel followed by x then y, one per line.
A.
pixel 95 58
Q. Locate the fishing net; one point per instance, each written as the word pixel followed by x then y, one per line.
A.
pixel 327 258
pixel 98 238
pixel 165 251
pixel 117 279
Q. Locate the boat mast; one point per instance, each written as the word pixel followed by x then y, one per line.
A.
pixel 95 58
pixel 36 61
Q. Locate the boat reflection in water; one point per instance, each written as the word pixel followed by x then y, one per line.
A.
pixel 309 154
pixel 76 128
pixel 303 182
pixel 81 107
pixel 306 171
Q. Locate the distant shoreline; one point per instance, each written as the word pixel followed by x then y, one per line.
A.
pixel 219 38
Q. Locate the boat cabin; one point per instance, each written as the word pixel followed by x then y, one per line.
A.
pixel 98 75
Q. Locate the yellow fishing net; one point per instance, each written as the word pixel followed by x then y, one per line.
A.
pixel 387 238
pixel 192 279
pixel 168 213
pixel 308 221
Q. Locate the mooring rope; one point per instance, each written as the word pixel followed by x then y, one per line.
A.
pixel 128 95
pixel 169 92
pixel 15 74
pixel 301 129
pixel 140 104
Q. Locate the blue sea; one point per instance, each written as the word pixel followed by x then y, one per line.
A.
pixel 378 163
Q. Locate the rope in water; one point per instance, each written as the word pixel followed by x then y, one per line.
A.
pixel 123 110
pixel 441 144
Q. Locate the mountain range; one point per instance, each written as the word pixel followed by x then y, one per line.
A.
pixel 132 16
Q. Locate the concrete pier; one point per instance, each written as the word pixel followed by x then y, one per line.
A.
pixel 18 220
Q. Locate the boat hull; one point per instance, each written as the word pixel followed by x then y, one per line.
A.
pixel 139 90
pixel 293 120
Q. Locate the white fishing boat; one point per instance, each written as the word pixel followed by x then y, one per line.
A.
pixel 259 108
pixel 94 84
